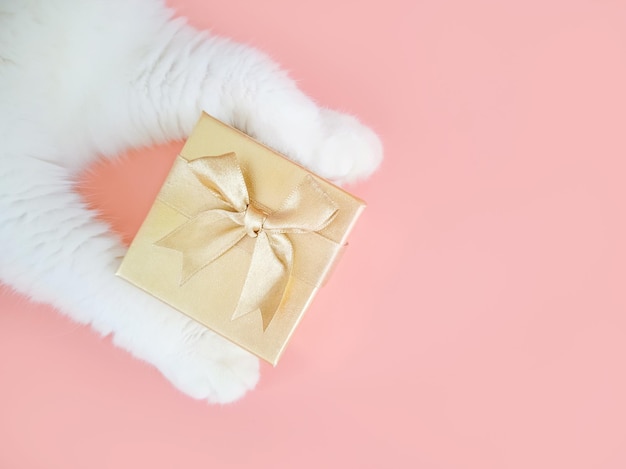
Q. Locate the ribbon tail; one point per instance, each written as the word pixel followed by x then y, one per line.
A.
pixel 268 274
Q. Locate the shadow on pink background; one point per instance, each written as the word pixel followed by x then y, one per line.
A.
pixel 477 319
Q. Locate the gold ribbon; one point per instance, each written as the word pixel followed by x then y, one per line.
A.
pixel 210 233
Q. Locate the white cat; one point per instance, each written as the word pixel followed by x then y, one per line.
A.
pixel 81 79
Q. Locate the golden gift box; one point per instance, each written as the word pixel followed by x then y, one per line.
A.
pixel 240 238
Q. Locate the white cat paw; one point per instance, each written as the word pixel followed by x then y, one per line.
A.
pixel 213 369
pixel 348 151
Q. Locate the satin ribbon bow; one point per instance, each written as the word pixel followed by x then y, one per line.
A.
pixel 211 233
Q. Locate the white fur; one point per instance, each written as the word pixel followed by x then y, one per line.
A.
pixel 81 79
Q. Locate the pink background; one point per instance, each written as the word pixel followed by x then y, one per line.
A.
pixel 477 320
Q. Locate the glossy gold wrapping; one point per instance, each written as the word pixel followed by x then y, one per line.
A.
pixel 240 238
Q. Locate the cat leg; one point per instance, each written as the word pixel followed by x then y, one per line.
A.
pixel 56 252
pixel 186 71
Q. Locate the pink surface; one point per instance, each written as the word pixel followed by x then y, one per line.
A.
pixel 477 320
